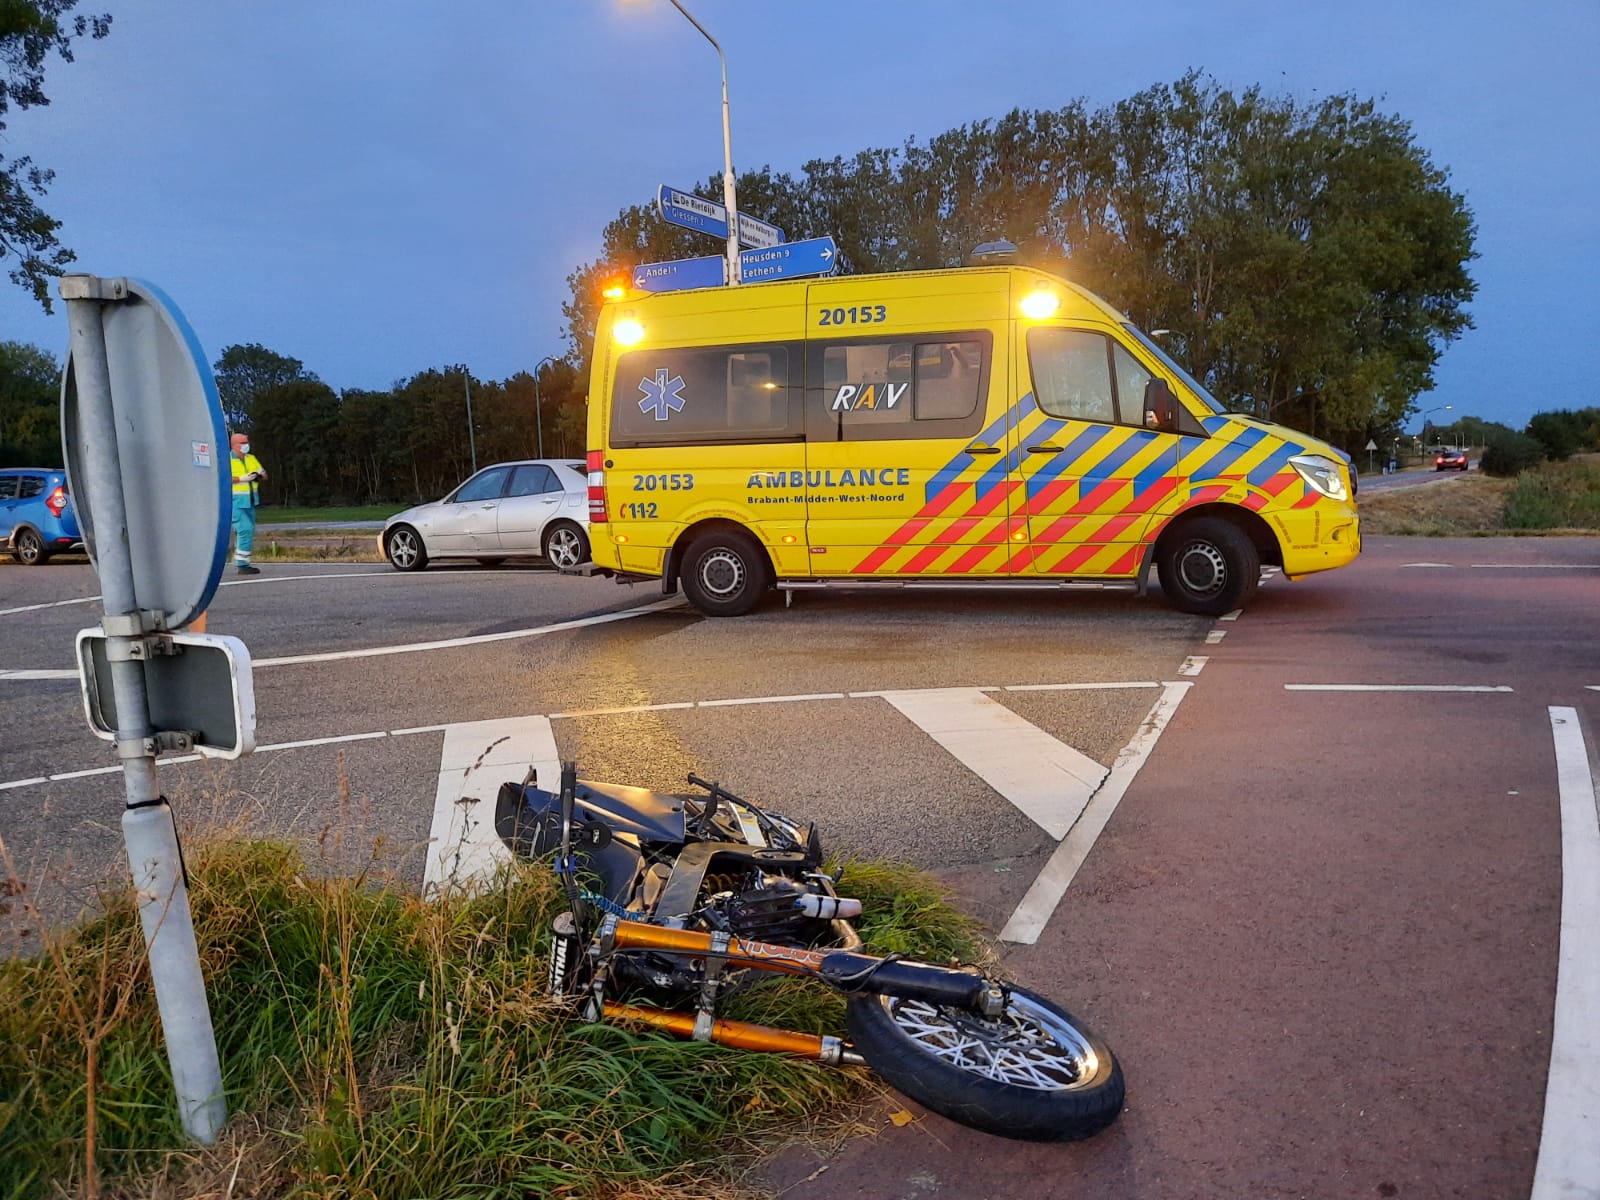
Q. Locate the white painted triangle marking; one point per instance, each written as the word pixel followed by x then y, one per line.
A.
pixel 478 756
pixel 1045 778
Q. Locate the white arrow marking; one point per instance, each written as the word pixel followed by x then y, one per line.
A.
pixel 478 756
pixel 1045 778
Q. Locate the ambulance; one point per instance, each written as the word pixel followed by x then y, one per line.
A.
pixel 981 427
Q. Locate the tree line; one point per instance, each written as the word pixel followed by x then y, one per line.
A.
pixel 323 446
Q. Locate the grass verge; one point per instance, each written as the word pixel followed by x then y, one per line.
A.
pixel 377 1046
pixel 283 514
pixel 1556 498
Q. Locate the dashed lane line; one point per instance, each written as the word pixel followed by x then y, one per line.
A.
pixel 1394 687
pixel 1569 1146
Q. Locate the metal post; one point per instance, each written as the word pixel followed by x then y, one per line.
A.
pixel 154 856
pixel 472 438
pixel 728 197
pixel 538 404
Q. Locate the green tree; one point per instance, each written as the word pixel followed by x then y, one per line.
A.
pixel 29 31
pixel 30 406
pixel 294 432
pixel 244 372
pixel 1310 259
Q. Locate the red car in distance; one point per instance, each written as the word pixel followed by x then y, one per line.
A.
pixel 1450 459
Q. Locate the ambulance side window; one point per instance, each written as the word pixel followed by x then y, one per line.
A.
pixel 881 389
pixel 1071 374
pixel 1131 380
pixel 694 395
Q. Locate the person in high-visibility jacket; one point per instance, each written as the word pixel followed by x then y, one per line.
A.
pixel 247 475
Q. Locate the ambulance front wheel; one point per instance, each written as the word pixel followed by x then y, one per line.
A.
pixel 725 574
pixel 1208 566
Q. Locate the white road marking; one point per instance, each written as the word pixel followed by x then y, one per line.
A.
pixel 1044 777
pixel 1569 1147
pixel 770 700
pixel 1233 616
pixel 1213 636
pixel 1074 687
pixel 1193 665
pixel 1539 566
pixel 1426 564
pixel 478 756
pixel 1593 687
pixel 1393 687
pixel 637 708
pixel 325 741
pixel 407 648
pixel 1031 916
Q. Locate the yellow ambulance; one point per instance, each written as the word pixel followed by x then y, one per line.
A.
pixel 990 426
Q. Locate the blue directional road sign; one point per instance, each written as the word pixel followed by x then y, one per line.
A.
pixel 695 212
pixel 815 256
pixel 681 273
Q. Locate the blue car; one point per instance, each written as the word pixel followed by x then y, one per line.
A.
pixel 36 517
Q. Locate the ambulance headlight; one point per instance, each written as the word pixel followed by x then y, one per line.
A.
pixel 627 332
pixel 1321 474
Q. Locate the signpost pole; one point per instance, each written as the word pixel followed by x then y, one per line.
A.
pixel 154 856
pixel 728 196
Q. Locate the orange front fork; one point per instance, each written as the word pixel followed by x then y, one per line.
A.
pixel 788 960
pixel 743 1035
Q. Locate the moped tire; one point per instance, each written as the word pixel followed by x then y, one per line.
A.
pixel 1036 1073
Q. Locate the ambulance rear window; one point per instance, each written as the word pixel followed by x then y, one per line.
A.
pixel 704 394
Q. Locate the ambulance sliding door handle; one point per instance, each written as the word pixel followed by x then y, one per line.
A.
pixel 982 448
pixel 1045 448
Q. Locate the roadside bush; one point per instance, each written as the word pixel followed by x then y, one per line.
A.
pixel 1557 496
pixel 1566 432
pixel 1511 454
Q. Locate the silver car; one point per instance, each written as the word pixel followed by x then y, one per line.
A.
pixel 538 506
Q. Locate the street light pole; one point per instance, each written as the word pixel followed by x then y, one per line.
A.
pixel 728 197
pixel 538 419
pixel 472 437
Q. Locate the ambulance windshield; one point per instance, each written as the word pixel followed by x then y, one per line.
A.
pixel 1194 384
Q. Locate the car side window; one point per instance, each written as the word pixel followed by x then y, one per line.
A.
pixel 532 479
pixel 29 486
pixel 8 487
pixel 1071 374
pixel 486 486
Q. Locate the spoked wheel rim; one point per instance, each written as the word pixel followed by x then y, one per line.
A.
pixel 1203 569
pixel 28 547
pixel 722 573
pixel 1028 1046
pixel 564 549
pixel 403 549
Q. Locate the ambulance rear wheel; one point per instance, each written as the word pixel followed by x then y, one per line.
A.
pixel 725 574
pixel 1208 566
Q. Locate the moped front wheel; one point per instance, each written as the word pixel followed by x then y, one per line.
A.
pixel 1035 1073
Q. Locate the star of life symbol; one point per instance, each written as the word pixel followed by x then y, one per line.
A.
pixel 661 394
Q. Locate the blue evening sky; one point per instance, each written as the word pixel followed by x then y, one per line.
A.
pixel 381 188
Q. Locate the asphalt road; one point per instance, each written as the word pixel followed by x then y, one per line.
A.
pixel 1321 928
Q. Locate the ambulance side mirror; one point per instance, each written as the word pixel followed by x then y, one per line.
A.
pixel 1160 407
